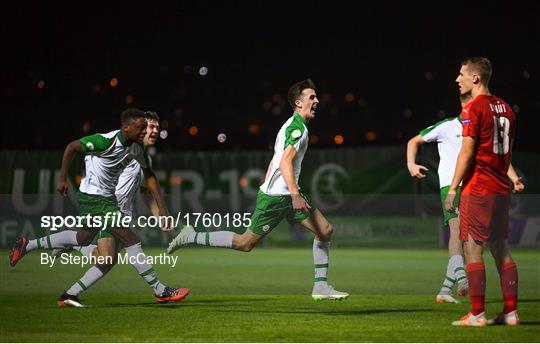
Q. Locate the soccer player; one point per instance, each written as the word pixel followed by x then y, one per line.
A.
pixel 483 161
pixel 129 183
pixel 280 197
pixel 447 134
pixel 106 156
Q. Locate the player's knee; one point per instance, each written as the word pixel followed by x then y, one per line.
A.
pixel 247 247
pixel 327 232
pixel 84 240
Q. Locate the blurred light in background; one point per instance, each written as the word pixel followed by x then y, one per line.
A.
pixel 254 129
pixel 193 130
pixel 203 71
pixel 339 139
pixel 163 134
pixel 349 97
pixel 371 136
pixel 221 138
pixel 41 84
pixel 313 139
pixel 129 99
pixel 113 82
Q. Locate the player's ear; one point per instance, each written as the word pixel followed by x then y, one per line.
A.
pixel 298 103
pixel 475 79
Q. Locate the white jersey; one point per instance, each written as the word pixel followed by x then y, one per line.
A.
pixel 105 160
pixel 128 186
pixel 294 132
pixel 447 134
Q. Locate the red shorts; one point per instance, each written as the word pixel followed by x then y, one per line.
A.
pixel 483 217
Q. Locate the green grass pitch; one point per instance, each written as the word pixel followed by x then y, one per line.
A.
pixel 262 296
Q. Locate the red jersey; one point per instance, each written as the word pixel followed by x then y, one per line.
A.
pixel 491 121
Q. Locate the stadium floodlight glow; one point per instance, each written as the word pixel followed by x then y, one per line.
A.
pixel 113 82
pixel 222 138
pixel 163 134
pixel 193 130
pixel 203 71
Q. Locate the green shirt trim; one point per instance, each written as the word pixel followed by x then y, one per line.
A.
pixel 427 130
pixel 121 138
pixel 96 143
pixel 294 131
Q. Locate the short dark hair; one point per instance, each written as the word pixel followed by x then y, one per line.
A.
pixel 296 90
pixel 151 115
pixel 131 114
pixel 482 66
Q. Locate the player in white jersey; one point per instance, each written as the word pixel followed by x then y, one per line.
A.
pixel 108 155
pixel 279 197
pixel 447 134
pixel 129 184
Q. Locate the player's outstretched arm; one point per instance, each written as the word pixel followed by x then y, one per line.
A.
pixel 463 163
pixel 517 180
pixel 412 148
pixel 150 201
pixel 153 186
pixel 287 171
pixel 71 149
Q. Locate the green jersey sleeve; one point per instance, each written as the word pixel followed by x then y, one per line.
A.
pixel 294 133
pixel 96 143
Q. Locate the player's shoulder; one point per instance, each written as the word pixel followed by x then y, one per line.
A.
pixel 438 126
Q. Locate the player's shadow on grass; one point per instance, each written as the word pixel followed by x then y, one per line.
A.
pixel 519 301
pixel 327 312
pixel 187 303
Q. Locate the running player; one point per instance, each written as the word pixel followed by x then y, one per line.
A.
pixel 106 157
pixel 483 161
pixel 280 198
pixel 129 183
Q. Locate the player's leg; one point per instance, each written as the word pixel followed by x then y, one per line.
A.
pixel 474 218
pixel 106 247
pixel 60 240
pixel 506 266
pixel 476 274
pixel 508 276
pixel 269 212
pixel 139 261
pixel 322 230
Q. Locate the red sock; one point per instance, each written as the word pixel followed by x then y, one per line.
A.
pixel 476 274
pixel 509 285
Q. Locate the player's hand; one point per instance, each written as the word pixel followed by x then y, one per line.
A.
pixel 165 220
pixel 299 203
pixel 62 187
pixel 449 201
pixel 518 185
pixel 416 170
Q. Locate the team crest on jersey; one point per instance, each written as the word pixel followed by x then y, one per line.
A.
pixel 265 228
pixel 296 134
pixel 90 145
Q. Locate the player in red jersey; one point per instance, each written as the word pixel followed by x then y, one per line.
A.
pixel 483 162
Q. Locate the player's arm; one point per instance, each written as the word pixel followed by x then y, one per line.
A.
pixel 516 179
pixel 463 163
pixel 412 148
pixel 150 201
pixel 153 187
pixel 287 171
pixel 72 148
